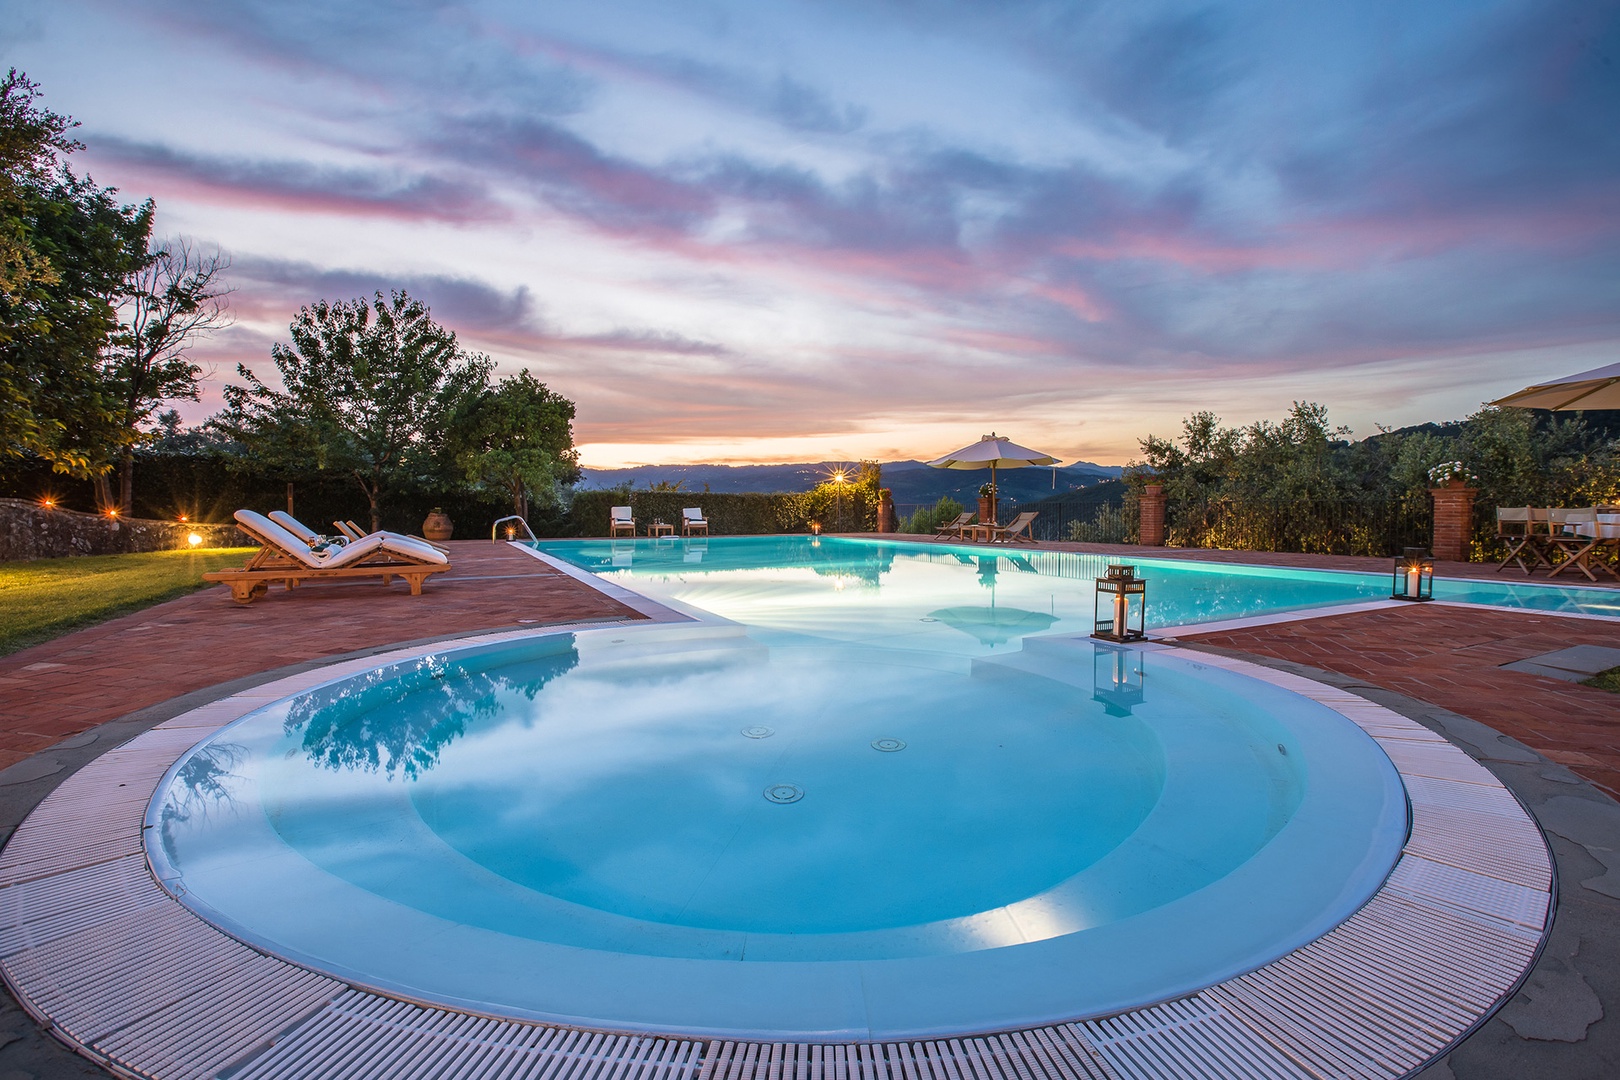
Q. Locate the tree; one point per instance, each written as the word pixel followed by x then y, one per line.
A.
pixel 30 140
pixel 370 389
pixel 173 297
pixel 66 246
pixel 518 437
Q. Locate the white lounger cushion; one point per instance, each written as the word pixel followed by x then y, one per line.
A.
pixel 278 536
pixel 693 513
pixel 294 526
pixel 621 513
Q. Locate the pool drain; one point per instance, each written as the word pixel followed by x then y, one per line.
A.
pixel 784 793
pixel 888 746
pixel 758 731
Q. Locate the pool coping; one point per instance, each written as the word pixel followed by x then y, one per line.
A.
pixel 93 947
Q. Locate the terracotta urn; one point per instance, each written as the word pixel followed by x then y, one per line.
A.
pixel 885 512
pixel 437 526
pixel 987 509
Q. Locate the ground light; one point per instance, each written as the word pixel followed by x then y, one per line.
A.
pixel 195 540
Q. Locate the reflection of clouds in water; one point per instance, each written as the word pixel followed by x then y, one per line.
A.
pixel 661 719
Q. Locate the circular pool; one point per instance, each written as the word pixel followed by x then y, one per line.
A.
pixel 684 829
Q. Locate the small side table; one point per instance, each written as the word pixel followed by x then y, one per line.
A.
pixel 660 528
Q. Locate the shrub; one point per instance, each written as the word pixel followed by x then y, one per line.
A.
pixel 929 518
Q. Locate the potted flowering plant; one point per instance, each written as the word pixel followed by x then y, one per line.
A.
pixel 987 503
pixel 1452 474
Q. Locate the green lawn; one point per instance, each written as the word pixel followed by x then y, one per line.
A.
pixel 1606 680
pixel 48 597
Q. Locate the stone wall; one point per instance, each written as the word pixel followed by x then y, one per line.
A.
pixel 30 531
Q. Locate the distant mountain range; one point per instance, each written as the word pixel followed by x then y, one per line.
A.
pixel 913 482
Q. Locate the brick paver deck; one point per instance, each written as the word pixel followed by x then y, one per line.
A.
pixel 1451 656
pixel 63 687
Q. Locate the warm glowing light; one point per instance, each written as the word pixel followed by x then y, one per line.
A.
pixel 195 539
pixel 182 519
pixel 48 503
pixel 511 532
pixel 112 511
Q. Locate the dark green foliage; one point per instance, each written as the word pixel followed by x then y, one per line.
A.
pixel 66 247
pixel 929 518
pixel 517 440
pixel 1301 486
pixel 371 390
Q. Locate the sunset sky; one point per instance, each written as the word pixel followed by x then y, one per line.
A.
pixel 797 231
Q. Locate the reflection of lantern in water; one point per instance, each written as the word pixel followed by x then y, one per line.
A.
pixel 1413 578
pixel 1121 605
pixel 1117 679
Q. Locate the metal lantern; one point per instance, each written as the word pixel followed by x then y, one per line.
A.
pixel 1121 605
pixel 1414 575
pixel 1117 679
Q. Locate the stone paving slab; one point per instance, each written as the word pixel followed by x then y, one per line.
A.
pixel 1575 664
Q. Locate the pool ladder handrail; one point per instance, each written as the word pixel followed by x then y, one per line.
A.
pixel 494 530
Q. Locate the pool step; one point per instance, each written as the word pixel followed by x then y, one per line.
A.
pixel 688 645
pixel 1067 660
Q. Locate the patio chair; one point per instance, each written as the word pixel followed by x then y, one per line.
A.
pixel 692 519
pixel 1015 531
pixel 283 557
pixel 619 520
pixel 1578 535
pixel 1524 529
pixel 953 528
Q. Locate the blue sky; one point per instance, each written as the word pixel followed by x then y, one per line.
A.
pixel 770 231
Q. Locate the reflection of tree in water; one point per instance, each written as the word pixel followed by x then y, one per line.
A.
pixel 401 720
pixel 866 564
pixel 202 781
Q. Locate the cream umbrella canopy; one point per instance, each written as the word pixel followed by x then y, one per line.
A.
pixel 1595 389
pixel 993 452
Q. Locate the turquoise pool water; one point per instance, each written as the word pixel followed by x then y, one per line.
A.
pixel 794 581
pixel 880 797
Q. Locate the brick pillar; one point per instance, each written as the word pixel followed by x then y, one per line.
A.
pixel 1152 522
pixel 1453 521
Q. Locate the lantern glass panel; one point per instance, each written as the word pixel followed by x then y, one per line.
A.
pixel 1413 576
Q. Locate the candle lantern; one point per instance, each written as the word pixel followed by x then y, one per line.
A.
pixel 1413 578
pixel 1121 605
pixel 1117 679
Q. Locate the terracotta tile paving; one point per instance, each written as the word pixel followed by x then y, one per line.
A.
pixel 1450 656
pixel 1446 655
pixel 58 689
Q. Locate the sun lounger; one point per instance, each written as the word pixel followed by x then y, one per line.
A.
pixel 620 520
pixel 692 519
pixel 953 528
pixel 351 531
pixel 283 557
pixel 1015 531
pixel 307 534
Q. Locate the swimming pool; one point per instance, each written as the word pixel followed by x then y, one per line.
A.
pixel 847 586
pixel 848 811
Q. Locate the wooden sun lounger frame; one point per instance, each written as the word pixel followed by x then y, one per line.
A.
pixel 270 565
pixel 1010 532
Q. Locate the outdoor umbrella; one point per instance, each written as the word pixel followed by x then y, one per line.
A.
pixel 993 452
pixel 1595 389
